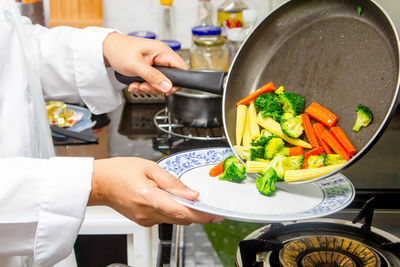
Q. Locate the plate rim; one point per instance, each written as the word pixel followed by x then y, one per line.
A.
pixel 257 219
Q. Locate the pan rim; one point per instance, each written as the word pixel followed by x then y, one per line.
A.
pixel 381 128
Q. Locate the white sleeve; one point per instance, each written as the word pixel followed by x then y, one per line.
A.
pixel 71 66
pixel 43 202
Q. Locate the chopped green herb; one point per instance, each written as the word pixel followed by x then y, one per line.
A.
pixel 359 10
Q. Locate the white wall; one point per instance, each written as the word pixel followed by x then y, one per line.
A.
pixel 130 15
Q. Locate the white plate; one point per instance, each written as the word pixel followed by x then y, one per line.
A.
pixel 243 201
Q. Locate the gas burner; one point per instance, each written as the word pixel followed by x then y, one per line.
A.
pixel 321 243
pixel 166 122
pixel 324 250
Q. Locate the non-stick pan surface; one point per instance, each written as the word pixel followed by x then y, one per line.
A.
pixel 326 52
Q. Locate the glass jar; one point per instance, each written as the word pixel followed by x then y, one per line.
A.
pixel 208 51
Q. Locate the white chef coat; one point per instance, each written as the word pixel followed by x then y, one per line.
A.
pixel 42 197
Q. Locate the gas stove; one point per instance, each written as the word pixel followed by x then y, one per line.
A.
pixel 134 132
pixel 323 242
pixel 327 242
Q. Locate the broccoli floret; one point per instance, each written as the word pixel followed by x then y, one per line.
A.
pixel 287 116
pixel 292 103
pixel 292 127
pixel 276 116
pixel 229 161
pixel 293 162
pixel 364 117
pixel 260 141
pixel 266 183
pixel 332 159
pixel 233 170
pixel 257 152
pixel 269 106
pixel 284 152
pixel 263 139
pixel 277 164
pixel 315 161
pixel 274 145
pixel 242 152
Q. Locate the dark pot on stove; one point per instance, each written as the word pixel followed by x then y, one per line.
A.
pixel 195 108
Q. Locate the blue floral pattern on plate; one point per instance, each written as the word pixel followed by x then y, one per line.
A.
pixel 338 192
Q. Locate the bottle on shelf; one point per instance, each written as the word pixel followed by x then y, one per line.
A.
pixel 230 15
pixel 166 28
pixel 235 38
pixel 204 13
pixel 249 21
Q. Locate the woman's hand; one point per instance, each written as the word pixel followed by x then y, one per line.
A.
pixel 136 188
pixel 134 56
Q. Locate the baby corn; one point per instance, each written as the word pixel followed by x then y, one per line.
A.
pixel 246 135
pixel 253 125
pixel 292 176
pixel 256 166
pixel 275 128
pixel 241 113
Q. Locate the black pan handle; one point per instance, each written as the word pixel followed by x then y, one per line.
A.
pixel 206 81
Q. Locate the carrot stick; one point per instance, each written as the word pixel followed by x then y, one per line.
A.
pixel 296 151
pixel 309 130
pixel 312 152
pixel 321 114
pixel 269 87
pixel 334 144
pixel 318 130
pixel 217 169
pixel 339 134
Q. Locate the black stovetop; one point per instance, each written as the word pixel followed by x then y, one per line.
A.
pixel 377 174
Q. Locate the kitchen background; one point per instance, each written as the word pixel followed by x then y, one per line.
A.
pixel 131 15
pixel 99 244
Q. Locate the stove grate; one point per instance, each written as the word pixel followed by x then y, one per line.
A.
pixel 135 98
pixel 170 125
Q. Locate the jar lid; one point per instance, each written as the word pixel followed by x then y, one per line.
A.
pixel 206 30
pixel 175 45
pixel 143 34
pixel 166 2
pixel 210 41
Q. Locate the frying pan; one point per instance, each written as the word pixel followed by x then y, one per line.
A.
pixel 321 49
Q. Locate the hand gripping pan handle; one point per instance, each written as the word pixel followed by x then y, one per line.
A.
pixel 207 81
